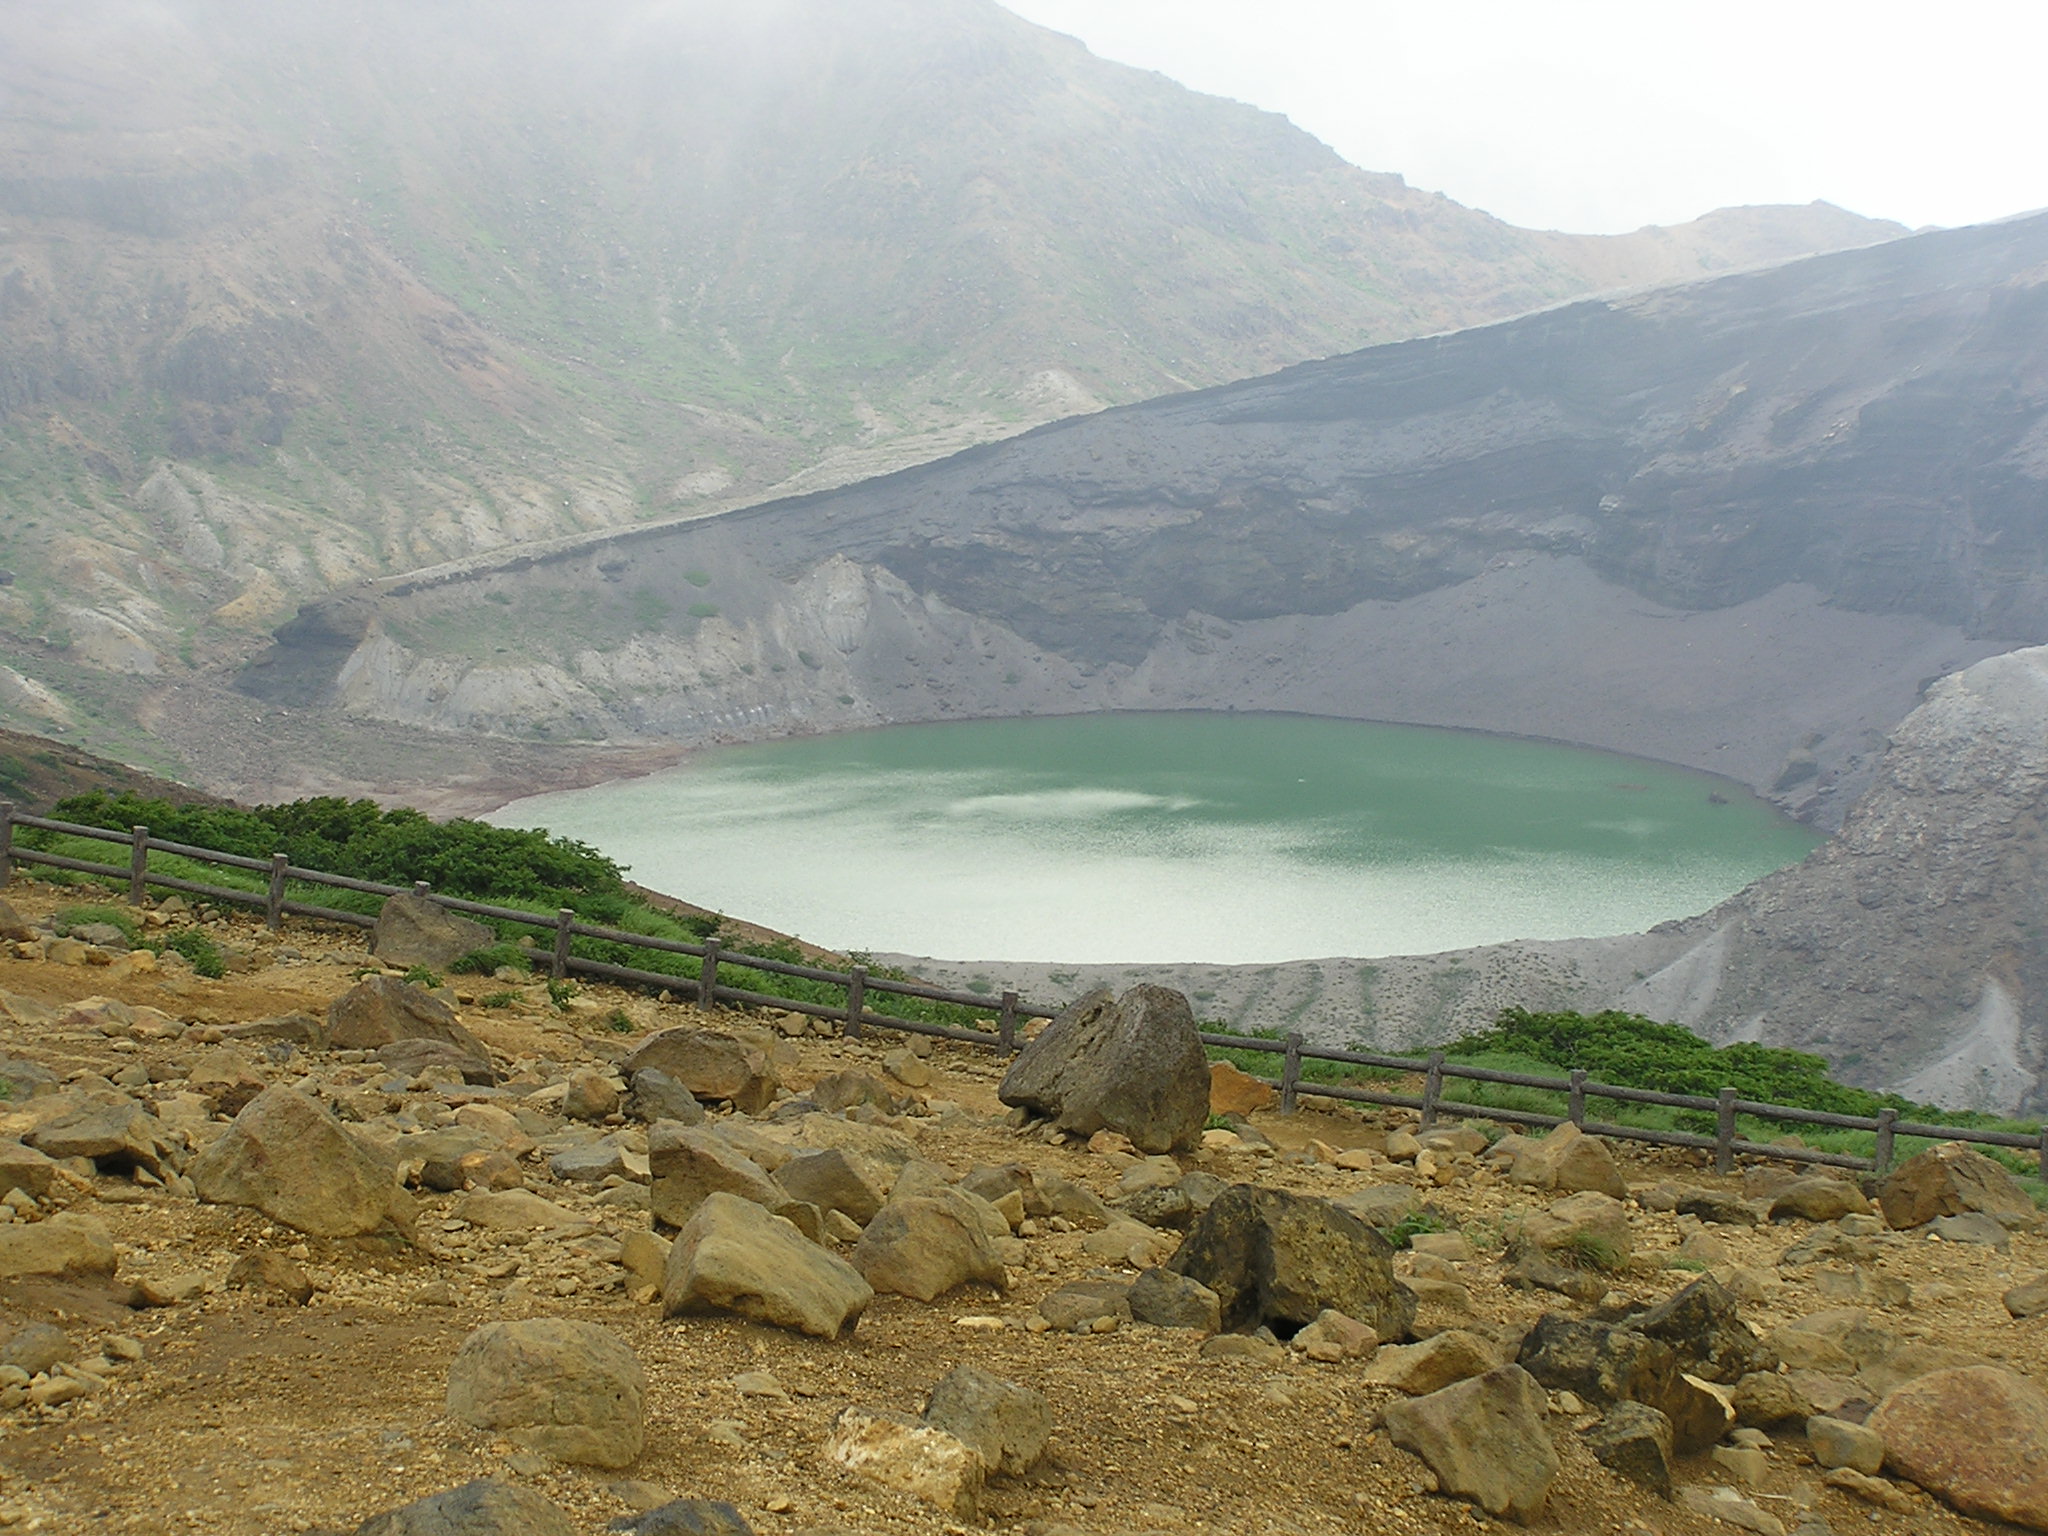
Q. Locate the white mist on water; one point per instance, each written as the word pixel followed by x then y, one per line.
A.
pixel 835 842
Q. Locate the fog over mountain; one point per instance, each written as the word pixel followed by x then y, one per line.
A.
pixel 295 296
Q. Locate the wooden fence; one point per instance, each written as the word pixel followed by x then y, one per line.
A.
pixel 861 987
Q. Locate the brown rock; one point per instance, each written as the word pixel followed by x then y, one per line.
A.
pixel 1818 1198
pixel 381 1011
pixel 1485 1439
pixel 1978 1437
pixel 1570 1161
pixel 711 1064
pixel 1233 1091
pixel 272 1274
pixel 1947 1181
pixel 290 1159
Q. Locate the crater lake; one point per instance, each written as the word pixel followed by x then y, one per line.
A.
pixel 1151 838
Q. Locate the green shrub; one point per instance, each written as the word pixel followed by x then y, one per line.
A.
pixel 482 962
pixel 87 917
pixel 420 976
pixel 1404 1232
pixel 619 1022
pixel 501 999
pixel 560 992
pixel 205 955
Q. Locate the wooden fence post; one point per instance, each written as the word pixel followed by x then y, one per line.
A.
pixel 1006 1022
pixel 273 910
pixel 6 843
pixel 1881 1153
pixel 138 865
pixel 1724 1132
pixel 1432 1088
pixel 707 980
pixel 422 889
pixel 2042 1162
pixel 565 918
pixel 1577 1109
pixel 1290 1074
pixel 856 1001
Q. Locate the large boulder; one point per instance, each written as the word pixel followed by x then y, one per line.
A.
pixel 1977 1436
pixel 485 1507
pixel 688 1164
pixel 1133 1064
pixel 736 1256
pixel 570 1390
pixel 1568 1160
pixel 927 1245
pixel 1949 1180
pixel 291 1160
pixel 713 1065
pixel 1484 1439
pixel 1279 1260
pixel 381 1011
pixel 417 930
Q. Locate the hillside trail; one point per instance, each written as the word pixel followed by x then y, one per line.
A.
pixel 249 1418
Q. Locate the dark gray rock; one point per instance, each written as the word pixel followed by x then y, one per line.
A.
pixel 1133 1064
pixel 654 1095
pixel 118 1138
pixel 1704 1326
pixel 1278 1260
pixel 1633 1440
pixel 485 1507
pixel 1605 1364
pixel 417 930
pixel 685 1517
pixel 1006 1423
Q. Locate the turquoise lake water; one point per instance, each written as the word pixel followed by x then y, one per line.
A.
pixel 1230 838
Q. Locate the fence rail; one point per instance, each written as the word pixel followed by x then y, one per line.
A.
pixel 1011 1012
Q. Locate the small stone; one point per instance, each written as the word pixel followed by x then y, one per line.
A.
pixel 1333 1337
pixel 591 1096
pixel 1435 1363
pixel 1730 1508
pixel 37 1349
pixel 1837 1443
pixel 1747 1465
pixel 1872 1490
pixel 690 1517
pixel 1633 1441
pixel 570 1390
pixel 1007 1424
pixel 1168 1300
pixel 1079 1304
pixel 908 1068
pixel 897 1452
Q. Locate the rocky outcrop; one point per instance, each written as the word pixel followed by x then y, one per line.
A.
pixel 1133 1064
pixel 417 930
pixel 290 1159
pixel 1905 951
pixel 570 1390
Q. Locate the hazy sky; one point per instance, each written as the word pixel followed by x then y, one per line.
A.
pixel 1605 115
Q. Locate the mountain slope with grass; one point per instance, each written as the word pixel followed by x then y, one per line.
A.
pixel 296 296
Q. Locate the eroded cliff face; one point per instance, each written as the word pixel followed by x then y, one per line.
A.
pixel 1736 525
pixel 1912 950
